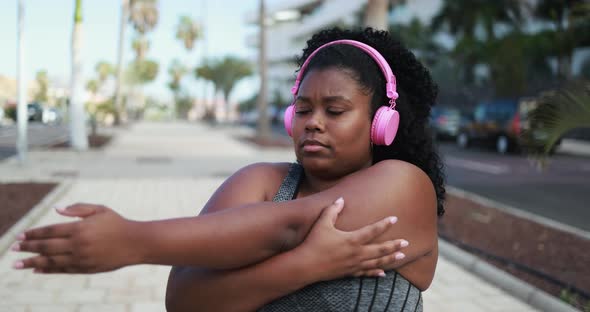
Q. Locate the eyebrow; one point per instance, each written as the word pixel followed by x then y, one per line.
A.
pixel 325 99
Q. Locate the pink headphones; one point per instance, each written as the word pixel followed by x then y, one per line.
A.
pixel 386 121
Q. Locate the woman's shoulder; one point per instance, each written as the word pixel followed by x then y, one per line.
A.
pixel 405 171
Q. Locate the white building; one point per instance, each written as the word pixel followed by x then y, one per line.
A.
pixel 292 22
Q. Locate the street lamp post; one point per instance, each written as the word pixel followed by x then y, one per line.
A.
pixel 22 115
pixel 263 127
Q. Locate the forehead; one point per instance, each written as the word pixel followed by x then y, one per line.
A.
pixel 329 80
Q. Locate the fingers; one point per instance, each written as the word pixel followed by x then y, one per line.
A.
pixel 79 210
pixel 330 213
pixel 388 261
pixel 374 251
pixel 46 232
pixel 44 262
pixel 49 247
pixel 370 273
pixel 368 233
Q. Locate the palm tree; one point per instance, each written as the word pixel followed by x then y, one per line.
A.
pixel 557 113
pixel 188 31
pixel 376 14
pixel 42 82
pixel 176 70
pixel 462 17
pixel 570 22
pixel 121 50
pixel 225 74
pixel 140 46
pixel 144 17
pixel 79 140
pixel 104 70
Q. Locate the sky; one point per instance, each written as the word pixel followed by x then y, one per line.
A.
pixel 48 27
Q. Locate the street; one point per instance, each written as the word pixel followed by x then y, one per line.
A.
pixel 561 192
pixel 38 135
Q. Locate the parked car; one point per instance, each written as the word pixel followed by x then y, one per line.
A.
pixel 445 122
pixel 52 116
pixel 35 111
pixel 498 123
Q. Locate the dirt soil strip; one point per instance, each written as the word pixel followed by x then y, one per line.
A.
pixel 536 253
pixel 23 204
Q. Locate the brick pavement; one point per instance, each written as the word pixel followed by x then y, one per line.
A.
pixel 154 171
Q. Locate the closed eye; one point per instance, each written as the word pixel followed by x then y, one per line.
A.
pixel 335 113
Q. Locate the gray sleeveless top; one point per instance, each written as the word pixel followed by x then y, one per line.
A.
pixel 390 293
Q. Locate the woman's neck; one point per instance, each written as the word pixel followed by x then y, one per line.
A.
pixel 312 184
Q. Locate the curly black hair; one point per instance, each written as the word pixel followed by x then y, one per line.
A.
pixel 417 93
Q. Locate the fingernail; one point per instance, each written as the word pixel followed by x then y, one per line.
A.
pixel 21 237
pixel 18 265
pixel 60 208
pixel 392 220
pixel 404 243
pixel 15 247
pixel 382 274
pixel 339 201
pixel 399 256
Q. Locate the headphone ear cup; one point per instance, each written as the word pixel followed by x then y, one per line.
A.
pixel 384 126
pixel 288 119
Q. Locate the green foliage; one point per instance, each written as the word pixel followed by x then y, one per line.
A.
pixel 141 72
pixel 78 12
pixel 106 107
pixel 43 83
pixel 92 86
pixel 557 113
pixel 188 31
pixel 176 70
pixel 183 105
pixel 225 73
pixel 104 70
pixel 10 112
pixel 144 15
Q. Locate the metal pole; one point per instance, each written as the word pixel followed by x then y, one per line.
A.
pixel 22 114
pixel 120 52
pixel 204 58
pixel 263 126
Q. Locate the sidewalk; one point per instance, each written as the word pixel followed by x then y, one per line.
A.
pixel 154 171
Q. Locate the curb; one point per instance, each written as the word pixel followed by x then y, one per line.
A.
pixel 510 284
pixel 34 214
pixel 517 212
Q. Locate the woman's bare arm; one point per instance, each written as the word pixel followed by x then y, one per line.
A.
pixel 254 232
pixel 326 254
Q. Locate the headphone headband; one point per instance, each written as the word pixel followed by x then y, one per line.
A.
pixel 390 86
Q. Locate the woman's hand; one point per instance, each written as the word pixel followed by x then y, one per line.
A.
pixel 101 241
pixel 328 253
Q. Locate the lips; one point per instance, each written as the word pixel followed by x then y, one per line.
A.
pixel 311 145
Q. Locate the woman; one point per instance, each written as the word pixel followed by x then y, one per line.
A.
pixel 271 255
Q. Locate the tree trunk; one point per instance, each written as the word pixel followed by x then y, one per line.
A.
pixel 263 126
pixel 22 115
pixel 376 14
pixel 121 50
pixel 79 140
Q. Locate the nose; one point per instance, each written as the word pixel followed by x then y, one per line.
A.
pixel 315 122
